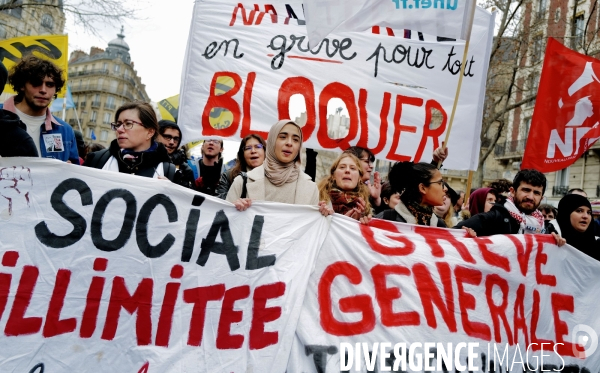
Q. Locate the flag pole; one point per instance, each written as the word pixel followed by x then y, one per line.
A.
pixel 462 73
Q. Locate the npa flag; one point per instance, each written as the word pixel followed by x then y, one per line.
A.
pixel 566 118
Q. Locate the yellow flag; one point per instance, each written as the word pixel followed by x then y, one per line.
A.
pixel 54 48
pixel 169 108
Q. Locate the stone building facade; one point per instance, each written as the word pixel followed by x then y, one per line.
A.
pixel 39 18
pixel 101 81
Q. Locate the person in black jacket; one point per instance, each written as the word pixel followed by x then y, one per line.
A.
pixel 134 151
pixel 15 141
pixel 421 187
pixel 519 213
pixel 169 134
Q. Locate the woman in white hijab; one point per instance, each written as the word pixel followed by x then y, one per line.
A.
pixel 280 178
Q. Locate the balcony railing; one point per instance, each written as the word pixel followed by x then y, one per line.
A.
pixel 96 104
pixel 510 149
pixel 560 190
pixel 109 106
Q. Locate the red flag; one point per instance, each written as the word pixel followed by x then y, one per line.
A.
pixel 566 118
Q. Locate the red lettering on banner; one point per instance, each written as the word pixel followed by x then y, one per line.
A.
pixel 407 248
pixel 523 253
pixel 247 20
pixel 261 314
pixel 491 258
pixel 226 340
pixel 165 320
pixel 541 258
pixel 247 117
pixel 346 94
pixel 357 303
pixel 519 321
pixel 428 132
pixel 92 301
pixel 363 141
pixel 54 325
pixel 399 128
pixel 498 312
pixel 140 302
pixel 9 259
pixel 563 302
pixel 144 368
pixel 303 86
pixel 386 295
pixel 200 297
pixel 467 302
pixel 17 323
pixel 432 237
pixel 429 293
pixel 535 316
pixel 222 101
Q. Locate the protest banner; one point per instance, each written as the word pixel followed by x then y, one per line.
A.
pixel 489 303
pixel 169 108
pixel 108 272
pixel 437 17
pixel 246 66
pixel 566 117
pixel 54 48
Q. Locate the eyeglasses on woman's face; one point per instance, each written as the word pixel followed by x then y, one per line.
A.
pixel 248 148
pixel 127 124
pixel 440 182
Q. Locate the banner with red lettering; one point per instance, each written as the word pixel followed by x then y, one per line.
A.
pixel 566 117
pixel 108 272
pixel 249 65
pixel 403 298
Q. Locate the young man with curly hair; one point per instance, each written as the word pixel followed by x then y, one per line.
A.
pixel 37 82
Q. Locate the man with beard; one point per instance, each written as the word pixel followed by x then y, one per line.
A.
pixel 211 166
pixel 170 136
pixel 519 214
pixel 36 82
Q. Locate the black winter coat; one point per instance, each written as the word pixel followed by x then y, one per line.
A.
pixel 495 221
pixel 15 141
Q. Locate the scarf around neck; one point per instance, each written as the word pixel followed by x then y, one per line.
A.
pixel 277 172
pixel 529 224
pixel 422 214
pixel 341 201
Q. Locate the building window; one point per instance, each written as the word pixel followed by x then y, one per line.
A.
pixel 47 21
pixel 541 10
pixel 88 133
pixel 579 25
pixel 106 118
pixel 532 84
pixel 105 66
pixel 94 116
pixel 103 135
pixel 117 68
pixel 538 47
pixel 557 15
pixel 526 126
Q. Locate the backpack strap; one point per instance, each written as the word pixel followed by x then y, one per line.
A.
pixel 169 170
pixel 100 158
pixel 244 188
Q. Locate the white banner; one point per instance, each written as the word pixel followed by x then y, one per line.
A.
pixel 489 301
pixel 106 272
pixel 246 66
pixel 435 17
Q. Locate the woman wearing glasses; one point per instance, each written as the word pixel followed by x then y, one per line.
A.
pixel 421 188
pixel 250 155
pixel 134 151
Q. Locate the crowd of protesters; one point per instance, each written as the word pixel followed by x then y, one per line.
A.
pixel 271 170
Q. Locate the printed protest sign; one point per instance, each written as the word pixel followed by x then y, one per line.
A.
pixel 50 47
pixel 566 118
pixel 485 302
pixel 245 66
pixel 107 272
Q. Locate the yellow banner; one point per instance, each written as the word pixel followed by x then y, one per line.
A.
pixel 169 108
pixel 54 48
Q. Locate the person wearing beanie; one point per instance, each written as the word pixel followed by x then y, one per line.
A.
pixel 169 134
pixel 573 223
pixel 37 82
pixel 15 141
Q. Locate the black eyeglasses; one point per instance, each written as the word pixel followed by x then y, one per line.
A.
pixel 128 124
pixel 169 138
pixel 256 147
pixel 441 182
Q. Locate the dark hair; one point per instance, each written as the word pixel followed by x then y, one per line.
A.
pixel 32 69
pixel 405 178
pixel 359 152
pixel 94 147
pixel 240 162
pixel 530 176
pixel 571 191
pixel 145 112
pixel 164 125
pixel 386 190
pixel 546 207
